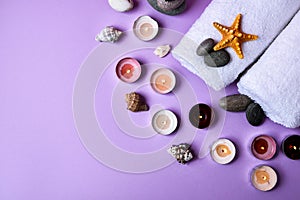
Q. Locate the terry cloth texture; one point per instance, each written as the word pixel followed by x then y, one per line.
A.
pixel 264 18
pixel 274 81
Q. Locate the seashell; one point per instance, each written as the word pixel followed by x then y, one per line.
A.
pixel 121 5
pixel 162 51
pixel 145 28
pixel 169 5
pixel 136 102
pixel 181 152
pixel 108 34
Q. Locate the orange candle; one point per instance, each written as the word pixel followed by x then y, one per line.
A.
pixel 163 81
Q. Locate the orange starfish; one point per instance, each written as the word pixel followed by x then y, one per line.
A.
pixel 233 36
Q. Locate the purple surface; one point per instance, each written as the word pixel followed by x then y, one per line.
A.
pixel 43 44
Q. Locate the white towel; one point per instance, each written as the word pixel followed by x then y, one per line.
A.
pixel 274 81
pixel 265 18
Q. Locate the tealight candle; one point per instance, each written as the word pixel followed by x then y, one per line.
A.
pixel 263 178
pixel 223 151
pixel 263 147
pixel 201 115
pixel 163 80
pixel 164 122
pixel 128 70
pixel 291 147
pixel 145 28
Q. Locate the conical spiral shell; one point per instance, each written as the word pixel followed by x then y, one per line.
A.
pixel 108 34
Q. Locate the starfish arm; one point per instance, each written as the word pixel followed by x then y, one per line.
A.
pixel 236 45
pixel 221 28
pixel 248 37
pixel 225 42
pixel 237 22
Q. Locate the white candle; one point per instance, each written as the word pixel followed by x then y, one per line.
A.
pixel 164 122
pixel 145 28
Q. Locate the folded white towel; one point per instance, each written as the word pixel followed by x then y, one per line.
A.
pixel 273 81
pixel 265 18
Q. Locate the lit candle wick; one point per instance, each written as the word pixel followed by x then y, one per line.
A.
pixel 200 116
pixel 163 81
pixel 128 71
pixel 295 148
pixel 164 122
pixel 262 148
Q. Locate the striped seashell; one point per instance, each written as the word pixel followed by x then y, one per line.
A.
pixel 108 34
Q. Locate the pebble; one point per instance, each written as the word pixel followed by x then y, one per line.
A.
pixel 235 102
pixel 205 47
pixel 217 58
pixel 176 11
pixel 254 114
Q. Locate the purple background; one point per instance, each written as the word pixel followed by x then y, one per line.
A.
pixel 43 44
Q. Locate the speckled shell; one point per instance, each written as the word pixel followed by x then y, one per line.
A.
pixel 135 102
pixel 181 152
pixel 108 34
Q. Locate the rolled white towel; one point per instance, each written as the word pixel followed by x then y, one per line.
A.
pixel 264 18
pixel 274 80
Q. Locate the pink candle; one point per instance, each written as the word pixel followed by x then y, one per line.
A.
pixel 263 147
pixel 128 70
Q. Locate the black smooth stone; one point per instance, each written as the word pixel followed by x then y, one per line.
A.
pixel 176 11
pixel 201 116
pixel 217 58
pixel 254 114
pixel 205 47
pixel 235 102
pixel 291 147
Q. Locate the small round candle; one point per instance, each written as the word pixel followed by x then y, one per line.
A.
pixel 264 147
pixel 163 81
pixel 128 70
pixel 223 151
pixel 264 178
pixel 291 147
pixel 201 116
pixel 164 122
pixel 145 28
